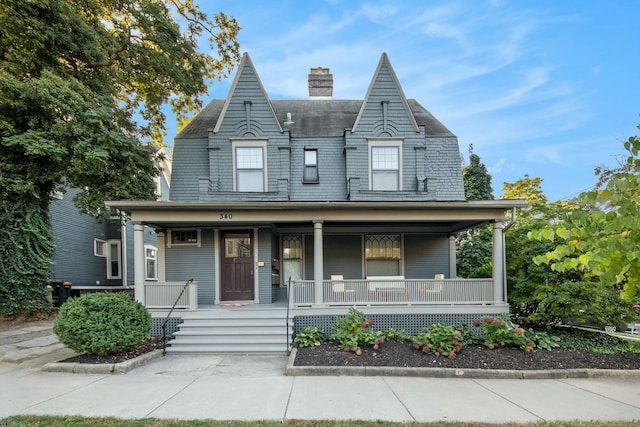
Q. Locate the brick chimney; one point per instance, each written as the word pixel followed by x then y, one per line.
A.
pixel 320 83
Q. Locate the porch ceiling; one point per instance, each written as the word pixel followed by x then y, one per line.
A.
pixel 437 217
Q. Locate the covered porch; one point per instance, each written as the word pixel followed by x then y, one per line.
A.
pixel 335 268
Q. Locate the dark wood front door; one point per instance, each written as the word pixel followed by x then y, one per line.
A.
pixel 237 267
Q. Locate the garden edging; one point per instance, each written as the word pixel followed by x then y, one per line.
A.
pixel 398 371
pixel 102 368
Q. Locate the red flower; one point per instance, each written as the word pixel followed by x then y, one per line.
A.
pixel 477 322
pixel 489 319
pixel 452 355
pixel 425 349
pixel 519 331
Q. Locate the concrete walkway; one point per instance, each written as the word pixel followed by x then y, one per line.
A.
pixel 255 388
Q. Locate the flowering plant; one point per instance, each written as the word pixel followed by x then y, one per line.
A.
pixel 352 331
pixel 502 332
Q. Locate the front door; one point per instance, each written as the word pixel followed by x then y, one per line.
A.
pixel 237 267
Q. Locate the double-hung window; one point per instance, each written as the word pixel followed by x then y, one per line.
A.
pixel 382 254
pixel 110 250
pixel 292 257
pixel 151 262
pixel 310 166
pixel 385 166
pixel 249 166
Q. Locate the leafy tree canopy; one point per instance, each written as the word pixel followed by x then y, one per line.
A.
pixel 74 74
pixel 602 238
pixel 82 87
pixel 477 180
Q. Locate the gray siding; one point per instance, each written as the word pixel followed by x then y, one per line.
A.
pixel 190 162
pixel 331 170
pixel 73 234
pixel 343 255
pixel 425 256
pixel 264 273
pixel 187 262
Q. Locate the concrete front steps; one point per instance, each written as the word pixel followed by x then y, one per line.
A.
pixel 232 332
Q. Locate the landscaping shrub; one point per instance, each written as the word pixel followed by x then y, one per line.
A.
pixel 352 331
pixel 439 339
pixel 503 333
pixel 102 323
pixel 597 341
pixel 310 337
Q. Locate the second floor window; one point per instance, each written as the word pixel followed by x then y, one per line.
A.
pixel 310 166
pixel 385 168
pixel 249 169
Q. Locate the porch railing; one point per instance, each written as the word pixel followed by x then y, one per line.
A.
pixel 395 291
pixel 164 295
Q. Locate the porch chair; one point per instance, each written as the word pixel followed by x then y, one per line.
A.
pixel 339 289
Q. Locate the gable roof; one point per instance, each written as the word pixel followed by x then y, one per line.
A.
pixel 314 118
pixel 246 66
pixel 385 65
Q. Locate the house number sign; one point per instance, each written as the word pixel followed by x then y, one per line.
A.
pixel 226 216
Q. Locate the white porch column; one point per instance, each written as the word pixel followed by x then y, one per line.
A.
pixel 453 261
pixel 318 267
pixel 138 264
pixel 498 264
pixel 162 244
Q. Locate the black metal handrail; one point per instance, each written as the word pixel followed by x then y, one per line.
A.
pixel 164 324
pixel 288 302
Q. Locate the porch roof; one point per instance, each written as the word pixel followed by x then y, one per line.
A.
pixel 442 216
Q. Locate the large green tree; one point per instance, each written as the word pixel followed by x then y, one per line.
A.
pixel 473 248
pixel 83 84
pixel 602 239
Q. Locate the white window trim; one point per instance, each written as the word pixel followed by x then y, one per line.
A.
pixel 99 243
pixel 385 143
pixel 155 264
pixel 250 143
pixel 198 238
pixel 109 259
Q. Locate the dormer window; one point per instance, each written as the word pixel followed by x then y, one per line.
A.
pixel 249 166
pixel 310 174
pixel 385 166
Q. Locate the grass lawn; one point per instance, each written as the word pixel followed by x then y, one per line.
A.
pixel 32 421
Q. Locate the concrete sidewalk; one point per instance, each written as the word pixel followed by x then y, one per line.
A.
pixel 255 388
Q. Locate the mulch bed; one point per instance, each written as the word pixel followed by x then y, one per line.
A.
pixel 478 357
pixel 150 344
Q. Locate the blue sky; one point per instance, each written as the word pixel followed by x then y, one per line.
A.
pixel 544 88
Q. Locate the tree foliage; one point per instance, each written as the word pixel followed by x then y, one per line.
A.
pixel 601 239
pixel 82 89
pixel 473 249
pixel 477 180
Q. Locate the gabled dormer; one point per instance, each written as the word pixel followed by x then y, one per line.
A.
pixel 387 149
pixel 245 144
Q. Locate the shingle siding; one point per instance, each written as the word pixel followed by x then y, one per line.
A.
pixel 425 256
pixel 190 162
pixel 193 262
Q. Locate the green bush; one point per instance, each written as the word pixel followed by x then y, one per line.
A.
pixel 352 331
pixel 102 323
pixel 309 337
pixel 439 339
pixel 503 333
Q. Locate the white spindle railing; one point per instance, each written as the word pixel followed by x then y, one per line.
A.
pixel 395 291
pixel 163 295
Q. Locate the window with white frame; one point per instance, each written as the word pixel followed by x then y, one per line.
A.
pixel 114 260
pixel 110 250
pixel 292 257
pixel 99 248
pixel 310 174
pixel 385 166
pixel 250 171
pixel 151 262
pixel 382 254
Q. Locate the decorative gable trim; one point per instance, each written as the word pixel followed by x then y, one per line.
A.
pixel 244 62
pixel 384 60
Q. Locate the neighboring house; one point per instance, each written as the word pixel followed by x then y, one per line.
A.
pixel 355 201
pixel 97 254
